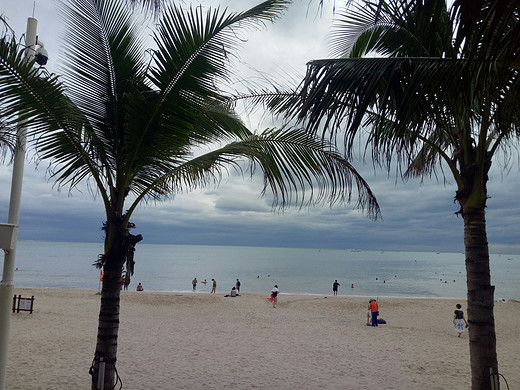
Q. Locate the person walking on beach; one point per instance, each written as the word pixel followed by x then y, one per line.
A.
pixel 237 285
pixel 335 287
pixel 214 288
pixel 194 283
pixel 374 310
pixel 459 321
pixel 274 294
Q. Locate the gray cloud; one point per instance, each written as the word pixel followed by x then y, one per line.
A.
pixel 416 216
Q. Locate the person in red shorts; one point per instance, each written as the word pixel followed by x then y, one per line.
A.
pixel 374 310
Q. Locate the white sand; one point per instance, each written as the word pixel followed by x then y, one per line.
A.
pixel 202 341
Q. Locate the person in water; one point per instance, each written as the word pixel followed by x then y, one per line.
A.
pixel 335 287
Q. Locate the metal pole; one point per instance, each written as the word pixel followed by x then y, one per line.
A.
pixel 101 374
pixel 6 286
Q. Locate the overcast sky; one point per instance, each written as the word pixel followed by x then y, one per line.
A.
pixel 415 216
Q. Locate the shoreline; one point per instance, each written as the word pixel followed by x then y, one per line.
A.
pixel 198 292
pixel 187 341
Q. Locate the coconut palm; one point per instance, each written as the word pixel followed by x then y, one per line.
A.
pixel 147 127
pixel 435 89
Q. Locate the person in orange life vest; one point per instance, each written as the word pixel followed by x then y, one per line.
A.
pixel 374 310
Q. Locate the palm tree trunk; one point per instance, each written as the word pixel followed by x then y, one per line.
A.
pixel 108 328
pixel 482 338
pixel 119 248
pixel 108 323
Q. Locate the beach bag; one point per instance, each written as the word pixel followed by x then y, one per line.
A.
pixel 381 321
pixel 271 299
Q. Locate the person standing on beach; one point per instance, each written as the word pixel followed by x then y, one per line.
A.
pixel 194 283
pixel 335 287
pixel 237 285
pixel 214 288
pixel 127 281
pixel 274 294
pixel 374 310
pixel 459 321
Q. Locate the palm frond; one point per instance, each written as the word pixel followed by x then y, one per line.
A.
pixel 102 44
pixel 151 5
pixel 194 49
pixel 297 168
pixel 192 56
pixel 7 140
pixel 393 28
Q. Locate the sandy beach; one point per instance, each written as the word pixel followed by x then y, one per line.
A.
pixel 203 341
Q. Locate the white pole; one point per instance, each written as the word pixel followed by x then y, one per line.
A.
pixel 6 286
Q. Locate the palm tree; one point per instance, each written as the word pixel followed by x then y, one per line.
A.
pixel 436 89
pixel 147 128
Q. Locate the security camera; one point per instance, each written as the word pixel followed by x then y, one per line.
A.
pixel 41 55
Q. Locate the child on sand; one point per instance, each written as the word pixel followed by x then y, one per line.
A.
pixel 274 295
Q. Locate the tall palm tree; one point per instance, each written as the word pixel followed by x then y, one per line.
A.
pixel 435 89
pixel 144 128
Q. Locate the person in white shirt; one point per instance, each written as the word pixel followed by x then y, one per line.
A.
pixel 234 292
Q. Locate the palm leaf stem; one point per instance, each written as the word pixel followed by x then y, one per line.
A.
pixel 451 164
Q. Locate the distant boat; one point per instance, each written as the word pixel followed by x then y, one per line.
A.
pixel 355 250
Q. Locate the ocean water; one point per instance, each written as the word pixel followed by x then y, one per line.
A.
pixel 171 268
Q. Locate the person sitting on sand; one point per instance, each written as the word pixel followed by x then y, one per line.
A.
pixel 234 293
pixel 139 287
